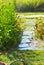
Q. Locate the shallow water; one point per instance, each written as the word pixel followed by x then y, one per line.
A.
pixel 28 41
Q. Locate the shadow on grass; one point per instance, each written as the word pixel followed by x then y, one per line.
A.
pixel 30 57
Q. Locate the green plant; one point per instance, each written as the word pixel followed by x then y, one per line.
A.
pixel 9 28
pixel 30 5
pixel 30 57
pixel 40 28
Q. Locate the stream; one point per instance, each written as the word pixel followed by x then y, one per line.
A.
pixel 29 41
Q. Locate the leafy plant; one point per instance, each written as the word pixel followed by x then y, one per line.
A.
pixel 9 28
pixel 40 28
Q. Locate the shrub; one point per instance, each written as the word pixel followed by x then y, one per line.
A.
pixel 9 28
pixel 40 28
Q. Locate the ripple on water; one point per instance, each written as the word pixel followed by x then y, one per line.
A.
pixel 28 41
pixel 25 40
pixel 23 45
pixel 27 37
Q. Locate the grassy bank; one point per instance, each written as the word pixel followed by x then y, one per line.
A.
pixel 30 13
pixel 30 5
pixel 29 57
pixel 40 28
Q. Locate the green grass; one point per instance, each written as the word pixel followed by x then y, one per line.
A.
pixel 30 57
pixel 35 57
pixel 33 2
pixel 30 13
pixel 30 5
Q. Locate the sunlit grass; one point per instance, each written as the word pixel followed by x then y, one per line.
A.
pixel 30 13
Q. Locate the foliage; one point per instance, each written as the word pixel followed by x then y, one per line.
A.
pixel 21 22
pixel 30 5
pixel 9 28
pixel 40 28
pixel 35 57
